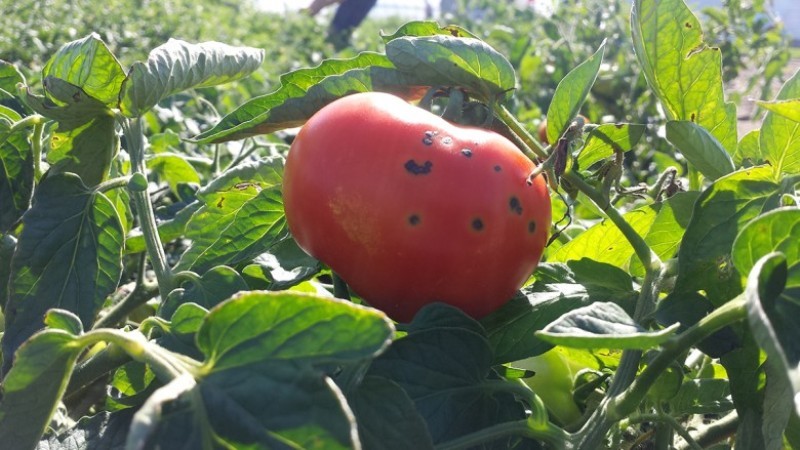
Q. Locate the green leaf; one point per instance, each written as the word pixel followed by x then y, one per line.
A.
pixel 682 70
pixel 446 372
pixel 780 136
pixel 86 151
pixel 570 94
pixel 217 284
pixel 387 418
pixel 748 153
pixel 700 147
pixel 720 212
pixel 173 169
pixel 64 320
pixel 419 28
pixel 511 328
pixel 8 244
pixel 773 312
pixel 72 107
pixel 177 66
pixel 789 109
pixel 602 324
pixel 242 217
pixel 259 326
pixel 606 139
pixel 10 76
pixel 453 61
pixel 304 92
pixel 702 396
pixel 32 389
pixel 16 175
pixel 283 266
pixel 68 256
pixel 88 64
pixel 775 231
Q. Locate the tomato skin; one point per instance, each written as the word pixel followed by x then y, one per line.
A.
pixel 410 209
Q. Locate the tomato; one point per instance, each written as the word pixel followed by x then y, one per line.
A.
pixel 410 209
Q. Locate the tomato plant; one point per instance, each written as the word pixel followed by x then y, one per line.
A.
pixel 410 209
pixel 155 291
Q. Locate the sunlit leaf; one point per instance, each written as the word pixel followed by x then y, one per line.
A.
pixel 775 231
pixel 608 138
pixel 789 109
pixel 780 136
pixel 700 147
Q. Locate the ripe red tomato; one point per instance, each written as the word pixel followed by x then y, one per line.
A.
pixel 410 209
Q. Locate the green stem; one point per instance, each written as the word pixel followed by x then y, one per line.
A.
pixel 98 365
pixel 144 208
pixel 554 436
pixel 727 314
pixel 141 293
pixel 531 146
pixel 668 420
pixel 114 183
pixel 36 146
pixel 715 431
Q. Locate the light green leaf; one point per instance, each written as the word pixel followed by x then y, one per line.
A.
pixel 260 326
pixel 177 66
pixel 606 139
pixel 789 109
pixel 748 152
pixel 88 64
pixel 242 217
pixel 570 94
pixel 68 256
pixel 720 212
pixel 32 389
pixel 86 151
pixel 775 231
pixel 682 70
pixel 700 147
pixel 773 312
pixel 173 169
pixel 64 320
pixel 780 136
pixel 603 325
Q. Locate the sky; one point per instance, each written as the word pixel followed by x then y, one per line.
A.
pixel 411 7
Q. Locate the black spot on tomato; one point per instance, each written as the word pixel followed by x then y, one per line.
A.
pixel 497 168
pixel 531 227
pixel 515 205
pixel 477 224
pixel 447 140
pixel 417 169
pixel 428 138
pixel 467 152
pixel 413 220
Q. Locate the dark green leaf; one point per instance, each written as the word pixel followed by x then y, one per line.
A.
pixel 177 66
pixel 780 136
pixel 68 256
pixel 88 64
pixel 9 77
pixel 86 151
pixel 282 267
pixel 387 418
pixel 606 139
pixel 702 396
pixel 720 212
pixel 511 328
pixel 76 110
pixel 774 317
pixel 602 325
pixel 700 148
pixel 452 61
pixel 682 70
pixel 570 94
pixel 8 244
pixel 16 175
pixel 304 92
pixel 745 369
pixel 242 217
pixel 775 231
pixel 258 326
pixel 33 387
pixel 446 372
pixel 217 284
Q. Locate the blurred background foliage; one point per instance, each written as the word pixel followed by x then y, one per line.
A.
pixel 542 48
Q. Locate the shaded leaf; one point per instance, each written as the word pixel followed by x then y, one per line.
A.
pixel 283 266
pixel 700 147
pixel 103 431
pixel 570 94
pixel 602 324
pixel 682 70
pixel 86 151
pixel 16 175
pixel 217 284
pixel 291 326
pixel 719 213
pixel 702 396
pixel 748 152
pixel 32 389
pixel 68 256
pixel 177 66
pixel 775 231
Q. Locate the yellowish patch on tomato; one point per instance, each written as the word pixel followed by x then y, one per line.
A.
pixel 356 218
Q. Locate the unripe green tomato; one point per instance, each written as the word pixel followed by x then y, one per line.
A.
pixel 410 209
